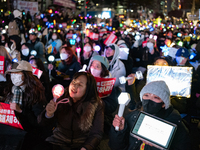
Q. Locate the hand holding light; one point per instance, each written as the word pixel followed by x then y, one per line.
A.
pixel 123 99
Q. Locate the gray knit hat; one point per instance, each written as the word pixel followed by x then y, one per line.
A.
pixel 158 88
pixel 102 59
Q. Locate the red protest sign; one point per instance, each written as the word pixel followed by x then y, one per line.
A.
pixel 144 44
pixel 64 25
pixel 110 39
pixel 102 32
pixel 69 36
pixel 2 64
pixel 7 116
pixel 105 86
pixel 94 36
pixel 37 72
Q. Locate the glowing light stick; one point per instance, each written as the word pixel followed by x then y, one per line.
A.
pixel 83 69
pixel 78 50
pixel 123 99
pixel 51 58
pixel 57 91
pixel 33 52
pixel 138 76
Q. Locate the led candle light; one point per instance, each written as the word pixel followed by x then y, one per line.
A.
pixel 58 91
pixel 123 99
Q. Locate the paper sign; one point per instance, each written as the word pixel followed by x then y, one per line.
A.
pixel 7 116
pixel 110 39
pixel 102 32
pixel 172 52
pixel 37 72
pixel 94 36
pixel 64 25
pixel 105 86
pixel 123 53
pixel 178 79
pixel 2 64
pixel 28 6
pixel 49 49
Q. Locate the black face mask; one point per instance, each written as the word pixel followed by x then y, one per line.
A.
pixel 110 58
pixel 151 107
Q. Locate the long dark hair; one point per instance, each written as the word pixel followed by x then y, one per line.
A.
pixel 91 93
pixel 34 91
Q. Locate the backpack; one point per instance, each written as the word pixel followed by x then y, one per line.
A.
pixel 13 28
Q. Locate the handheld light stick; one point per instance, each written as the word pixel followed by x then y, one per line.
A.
pixel 138 76
pixel 123 99
pixel 57 91
pixel 83 69
pixel 123 79
pixel 78 50
pixel 51 58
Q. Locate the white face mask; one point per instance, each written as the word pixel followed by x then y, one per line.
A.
pixel 16 79
pixel 179 60
pixel 54 37
pixel 25 52
pixel 63 56
pixel 87 49
pixel 95 72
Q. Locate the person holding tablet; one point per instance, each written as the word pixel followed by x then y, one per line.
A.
pixel 155 99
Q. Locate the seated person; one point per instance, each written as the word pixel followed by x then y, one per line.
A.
pixel 80 121
pixel 155 97
pixel 98 67
pixel 67 67
pixel 116 67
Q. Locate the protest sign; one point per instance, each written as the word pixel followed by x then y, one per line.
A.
pixel 28 6
pixel 37 72
pixel 178 79
pixel 94 36
pixel 110 39
pixel 2 64
pixel 7 116
pixel 105 86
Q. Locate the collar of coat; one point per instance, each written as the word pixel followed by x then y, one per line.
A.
pixel 87 111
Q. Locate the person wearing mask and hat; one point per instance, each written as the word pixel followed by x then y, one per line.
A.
pixel 98 67
pixel 155 99
pixel 26 96
pixel 38 46
pixel 116 67
pixel 182 56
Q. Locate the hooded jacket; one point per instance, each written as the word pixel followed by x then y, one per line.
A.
pixel 117 68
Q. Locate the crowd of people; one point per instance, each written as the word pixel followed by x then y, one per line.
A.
pixel 80 118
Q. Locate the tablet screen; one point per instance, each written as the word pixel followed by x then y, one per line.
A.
pixel 154 130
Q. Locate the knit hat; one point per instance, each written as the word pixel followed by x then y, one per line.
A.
pixel 158 88
pixel 21 66
pixel 182 52
pixel 102 59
